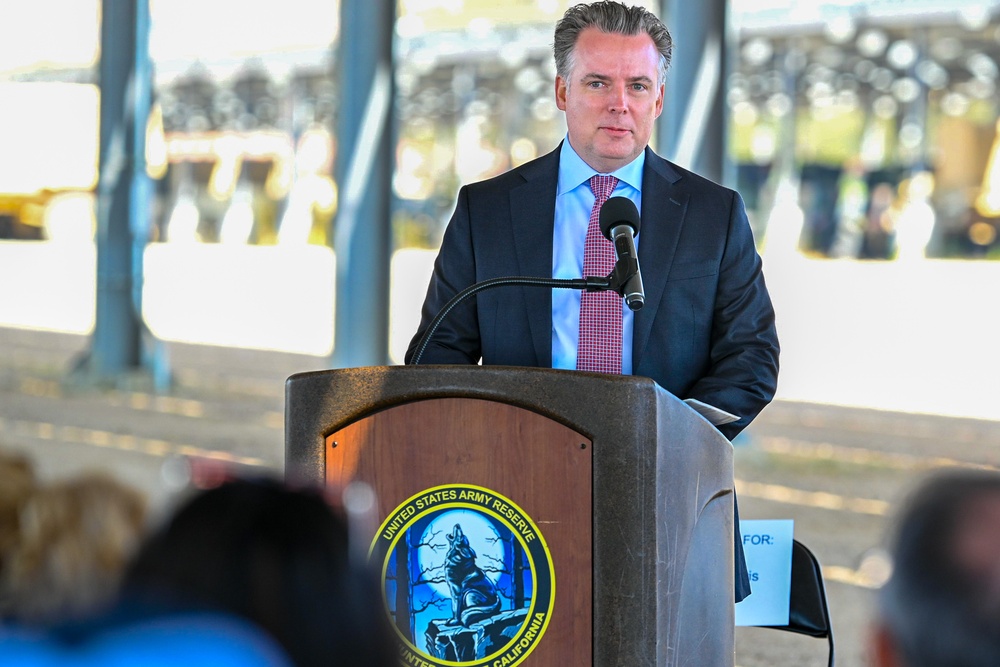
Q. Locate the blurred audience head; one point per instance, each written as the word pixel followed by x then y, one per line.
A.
pixel 74 538
pixel 17 481
pixel 276 556
pixel 941 606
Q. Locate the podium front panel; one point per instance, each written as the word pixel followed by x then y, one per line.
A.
pixel 659 536
pixel 459 469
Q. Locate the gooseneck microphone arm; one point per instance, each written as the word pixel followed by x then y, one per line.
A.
pixel 592 284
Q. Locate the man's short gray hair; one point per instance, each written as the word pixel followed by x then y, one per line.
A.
pixel 611 17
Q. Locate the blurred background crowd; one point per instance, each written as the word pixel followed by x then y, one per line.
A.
pixel 876 120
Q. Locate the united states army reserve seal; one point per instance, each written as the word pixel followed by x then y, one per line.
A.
pixel 467 578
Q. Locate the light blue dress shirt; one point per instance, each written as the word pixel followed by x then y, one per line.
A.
pixel 574 199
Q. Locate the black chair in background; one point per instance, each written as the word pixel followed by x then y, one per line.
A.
pixel 808 613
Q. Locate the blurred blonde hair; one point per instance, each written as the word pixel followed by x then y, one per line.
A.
pixel 76 537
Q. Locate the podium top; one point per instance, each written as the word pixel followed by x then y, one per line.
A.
pixel 605 408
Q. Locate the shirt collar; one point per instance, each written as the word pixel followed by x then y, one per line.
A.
pixel 573 171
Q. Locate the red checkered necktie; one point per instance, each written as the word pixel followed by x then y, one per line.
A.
pixel 600 346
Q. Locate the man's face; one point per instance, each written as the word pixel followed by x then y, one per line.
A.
pixel 611 97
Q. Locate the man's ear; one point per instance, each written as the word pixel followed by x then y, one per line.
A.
pixel 659 100
pixel 561 93
pixel 882 648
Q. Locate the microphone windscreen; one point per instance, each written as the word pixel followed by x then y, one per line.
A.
pixel 617 211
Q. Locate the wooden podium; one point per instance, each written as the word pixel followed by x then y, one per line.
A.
pixel 606 504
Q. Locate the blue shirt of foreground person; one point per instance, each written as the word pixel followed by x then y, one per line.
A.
pixel 707 328
pixel 193 639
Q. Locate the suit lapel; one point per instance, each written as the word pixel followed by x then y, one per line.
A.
pixel 532 211
pixel 664 206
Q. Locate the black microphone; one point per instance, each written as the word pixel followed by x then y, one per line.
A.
pixel 619 220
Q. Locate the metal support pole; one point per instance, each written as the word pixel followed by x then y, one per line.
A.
pixel 123 189
pixel 915 114
pixel 692 129
pixel 364 176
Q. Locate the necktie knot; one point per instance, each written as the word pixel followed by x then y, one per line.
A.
pixel 602 186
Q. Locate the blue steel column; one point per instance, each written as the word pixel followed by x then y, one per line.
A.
pixel 123 189
pixel 692 129
pixel 363 172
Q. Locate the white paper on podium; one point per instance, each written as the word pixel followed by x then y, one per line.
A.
pixel 717 416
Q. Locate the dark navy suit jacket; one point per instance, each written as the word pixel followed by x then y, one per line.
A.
pixel 706 330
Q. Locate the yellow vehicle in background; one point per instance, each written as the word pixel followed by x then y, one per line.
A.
pixel 48 159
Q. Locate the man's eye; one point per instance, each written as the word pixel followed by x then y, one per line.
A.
pixel 595 84
pixel 638 87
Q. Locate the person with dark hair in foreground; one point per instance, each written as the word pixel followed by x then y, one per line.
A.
pixel 251 572
pixel 276 556
pixel 941 606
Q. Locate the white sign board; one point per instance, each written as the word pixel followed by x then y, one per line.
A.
pixel 768 548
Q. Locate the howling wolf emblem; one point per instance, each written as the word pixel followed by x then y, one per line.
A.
pixel 473 596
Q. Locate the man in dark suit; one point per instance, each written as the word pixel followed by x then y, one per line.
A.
pixel 706 330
